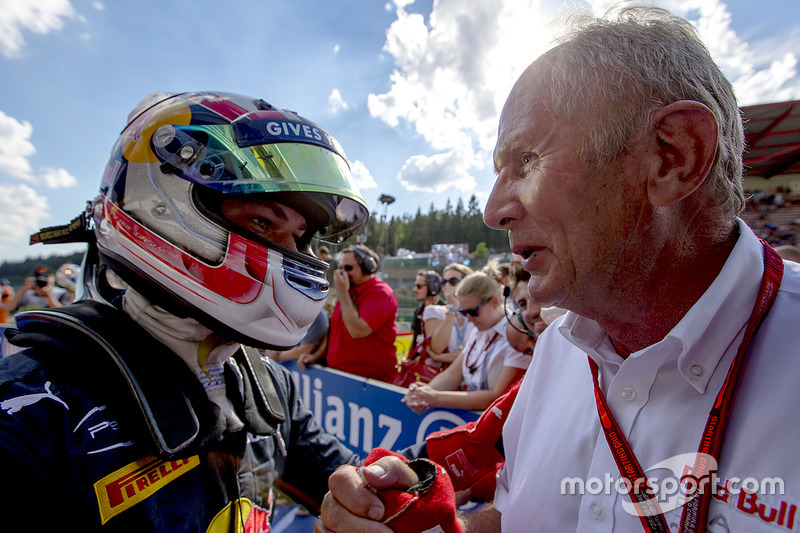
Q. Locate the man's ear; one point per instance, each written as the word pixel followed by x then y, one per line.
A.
pixel 686 137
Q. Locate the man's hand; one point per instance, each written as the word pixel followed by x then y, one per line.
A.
pixel 29 284
pixel 341 282
pixel 352 506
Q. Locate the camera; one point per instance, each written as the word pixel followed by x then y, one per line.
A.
pixel 41 277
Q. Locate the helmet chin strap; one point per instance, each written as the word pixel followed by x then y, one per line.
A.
pixel 203 351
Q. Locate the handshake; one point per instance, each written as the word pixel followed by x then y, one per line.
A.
pixel 420 495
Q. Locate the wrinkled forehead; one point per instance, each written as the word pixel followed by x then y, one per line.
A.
pixel 526 102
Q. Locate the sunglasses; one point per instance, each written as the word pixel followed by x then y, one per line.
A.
pixel 418 286
pixel 348 268
pixel 451 281
pixel 473 311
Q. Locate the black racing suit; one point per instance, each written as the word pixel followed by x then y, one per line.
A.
pixel 102 427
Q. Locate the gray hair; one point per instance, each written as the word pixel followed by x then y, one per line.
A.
pixel 609 75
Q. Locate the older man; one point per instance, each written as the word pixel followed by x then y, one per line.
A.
pixel 619 180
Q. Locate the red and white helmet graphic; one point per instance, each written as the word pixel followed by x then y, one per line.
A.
pixel 158 221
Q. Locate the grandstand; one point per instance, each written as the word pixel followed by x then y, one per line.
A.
pixel 772 171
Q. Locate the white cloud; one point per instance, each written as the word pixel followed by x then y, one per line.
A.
pixel 435 173
pixel 15 146
pixel 38 16
pixel 361 174
pixel 337 49
pixel 22 210
pixel 760 71
pixel 58 177
pixel 98 5
pixel 336 101
pixel 452 75
pixel 454 70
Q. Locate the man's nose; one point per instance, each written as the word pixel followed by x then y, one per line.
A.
pixel 502 206
pixel 285 239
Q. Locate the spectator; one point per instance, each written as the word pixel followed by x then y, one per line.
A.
pixel 789 252
pixel 363 328
pixel 619 170
pixel 312 349
pixel 324 253
pixel 39 292
pixel 505 273
pixel 151 413
pixel 6 297
pixel 427 287
pixel 487 366
pixel 526 323
pixel 448 340
pixel 66 278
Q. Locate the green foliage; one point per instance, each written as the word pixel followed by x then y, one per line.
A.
pixel 481 251
pixel 459 224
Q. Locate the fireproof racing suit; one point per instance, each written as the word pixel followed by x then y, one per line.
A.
pixel 104 428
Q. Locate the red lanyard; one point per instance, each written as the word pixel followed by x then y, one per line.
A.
pixel 695 511
pixel 474 367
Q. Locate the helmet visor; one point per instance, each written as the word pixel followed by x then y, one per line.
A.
pixel 209 156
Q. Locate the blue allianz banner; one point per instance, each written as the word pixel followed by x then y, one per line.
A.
pixel 365 414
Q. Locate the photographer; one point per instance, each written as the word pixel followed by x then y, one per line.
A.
pixel 39 292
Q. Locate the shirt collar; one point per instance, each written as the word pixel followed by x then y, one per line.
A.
pixel 500 327
pixel 706 332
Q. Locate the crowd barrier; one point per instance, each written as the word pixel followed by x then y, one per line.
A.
pixel 365 414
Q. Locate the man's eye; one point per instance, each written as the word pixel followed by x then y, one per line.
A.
pixel 262 223
pixel 523 304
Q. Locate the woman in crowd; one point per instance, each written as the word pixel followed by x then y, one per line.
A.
pixel 487 366
pixel 427 288
pixel 449 335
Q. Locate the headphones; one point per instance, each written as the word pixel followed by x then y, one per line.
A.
pixel 365 261
pixel 433 282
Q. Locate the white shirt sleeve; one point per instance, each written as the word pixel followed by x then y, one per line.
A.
pixel 434 311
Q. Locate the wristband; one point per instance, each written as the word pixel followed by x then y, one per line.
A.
pixel 428 506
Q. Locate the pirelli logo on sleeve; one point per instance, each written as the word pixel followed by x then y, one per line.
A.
pixel 136 482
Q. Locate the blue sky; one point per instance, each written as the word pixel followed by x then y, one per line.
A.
pixel 412 90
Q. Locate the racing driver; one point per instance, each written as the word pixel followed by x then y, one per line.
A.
pixel 145 405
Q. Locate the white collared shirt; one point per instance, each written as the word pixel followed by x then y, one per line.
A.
pixel 485 355
pixel 661 396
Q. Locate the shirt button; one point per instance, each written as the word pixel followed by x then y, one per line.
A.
pixel 696 370
pixel 597 510
pixel 629 394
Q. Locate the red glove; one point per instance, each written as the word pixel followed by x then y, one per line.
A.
pixel 469 452
pixel 430 505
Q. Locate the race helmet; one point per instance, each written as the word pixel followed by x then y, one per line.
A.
pixel 67 276
pixel 158 224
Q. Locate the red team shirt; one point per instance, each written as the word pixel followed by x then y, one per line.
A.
pixel 372 356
